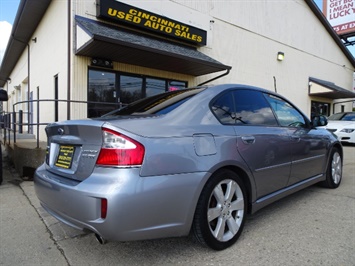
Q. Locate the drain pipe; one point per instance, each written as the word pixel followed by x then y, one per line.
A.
pixel 224 74
pixel 69 61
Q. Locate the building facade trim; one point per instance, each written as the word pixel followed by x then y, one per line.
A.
pixel 114 43
pixel 328 89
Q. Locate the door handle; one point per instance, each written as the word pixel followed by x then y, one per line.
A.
pixel 248 139
pixel 295 138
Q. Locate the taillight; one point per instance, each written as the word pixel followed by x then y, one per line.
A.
pixel 119 150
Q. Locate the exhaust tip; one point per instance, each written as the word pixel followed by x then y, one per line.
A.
pixel 100 239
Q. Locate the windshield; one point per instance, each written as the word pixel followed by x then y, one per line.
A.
pixel 343 117
pixel 158 104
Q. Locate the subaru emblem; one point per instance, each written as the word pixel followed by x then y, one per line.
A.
pixel 60 131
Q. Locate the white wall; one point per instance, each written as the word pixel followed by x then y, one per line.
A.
pixel 47 59
pixel 248 34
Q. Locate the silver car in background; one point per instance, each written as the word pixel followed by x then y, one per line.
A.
pixel 188 161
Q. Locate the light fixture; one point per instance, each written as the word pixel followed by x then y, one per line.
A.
pixel 280 56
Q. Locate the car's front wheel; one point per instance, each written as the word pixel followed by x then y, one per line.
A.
pixel 221 210
pixel 334 170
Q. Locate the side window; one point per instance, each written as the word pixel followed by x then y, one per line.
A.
pixel 243 107
pixel 223 109
pixel 286 114
pixel 253 109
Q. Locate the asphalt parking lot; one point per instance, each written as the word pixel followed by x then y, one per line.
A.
pixel 313 227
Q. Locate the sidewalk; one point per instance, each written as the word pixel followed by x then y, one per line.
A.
pixel 19 217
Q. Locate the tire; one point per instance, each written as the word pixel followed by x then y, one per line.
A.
pixel 221 210
pixel 334 170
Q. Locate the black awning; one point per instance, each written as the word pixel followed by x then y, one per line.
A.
pixel 117 44
pixel 328 89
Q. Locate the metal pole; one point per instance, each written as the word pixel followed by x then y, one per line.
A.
pixel 20 121
pixel 37 117
pixel 14 123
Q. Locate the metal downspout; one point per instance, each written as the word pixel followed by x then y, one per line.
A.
pixel 224 74
pixel 69 61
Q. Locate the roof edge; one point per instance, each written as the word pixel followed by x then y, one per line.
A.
pixel 330 30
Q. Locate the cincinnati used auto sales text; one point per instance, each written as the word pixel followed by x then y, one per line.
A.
pixel 155 23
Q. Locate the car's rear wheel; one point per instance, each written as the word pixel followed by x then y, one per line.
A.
pixel 220 212
pixel 334 170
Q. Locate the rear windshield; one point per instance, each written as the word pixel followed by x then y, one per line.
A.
pixel 158 104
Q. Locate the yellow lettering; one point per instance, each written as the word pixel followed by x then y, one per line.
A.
pixel 133 12
pixel 148 24
pixel 128 17
pixel 112 12
pixel 121 15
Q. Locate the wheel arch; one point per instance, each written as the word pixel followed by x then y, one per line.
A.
pixel 246 180
pixel 340 149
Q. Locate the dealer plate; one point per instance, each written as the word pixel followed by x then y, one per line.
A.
pixel 65 156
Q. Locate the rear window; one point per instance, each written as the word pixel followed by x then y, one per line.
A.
pixel 158 104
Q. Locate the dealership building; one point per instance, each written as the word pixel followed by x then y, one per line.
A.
pixel 81 59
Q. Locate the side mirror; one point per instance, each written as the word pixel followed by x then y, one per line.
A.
pixel 3 95
pixel 319 121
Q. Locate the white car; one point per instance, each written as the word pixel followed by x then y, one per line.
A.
pixel 343 125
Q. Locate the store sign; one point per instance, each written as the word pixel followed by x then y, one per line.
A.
pixel 341 15
pixel 130 15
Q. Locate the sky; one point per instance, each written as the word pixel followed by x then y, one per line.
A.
pixel 8 9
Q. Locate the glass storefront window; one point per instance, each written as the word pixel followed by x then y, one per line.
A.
pixel 176 85
pixel 111 90
pixel 320 108
pixel 155 86
pixel 130 89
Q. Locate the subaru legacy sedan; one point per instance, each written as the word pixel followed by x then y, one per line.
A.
pixel 189 161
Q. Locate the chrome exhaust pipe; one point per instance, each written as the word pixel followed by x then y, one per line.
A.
pixel 100 239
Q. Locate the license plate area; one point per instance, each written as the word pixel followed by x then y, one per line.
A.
pixel 65 156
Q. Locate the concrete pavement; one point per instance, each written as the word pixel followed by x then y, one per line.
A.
pixel 24 238
pixel 313 227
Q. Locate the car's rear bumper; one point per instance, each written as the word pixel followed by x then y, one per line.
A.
pixel 138 207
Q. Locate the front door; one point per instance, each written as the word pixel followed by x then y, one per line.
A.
pixel 307 143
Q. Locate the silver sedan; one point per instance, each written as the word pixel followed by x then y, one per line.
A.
pixel 189 161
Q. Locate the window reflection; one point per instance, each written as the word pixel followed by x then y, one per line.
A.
pixel 112 90
pixel 154 86
pixel 130 89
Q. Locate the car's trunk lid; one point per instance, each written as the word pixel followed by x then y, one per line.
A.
pixel 73 147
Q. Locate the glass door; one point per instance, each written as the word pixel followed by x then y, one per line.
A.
pixel 103 92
